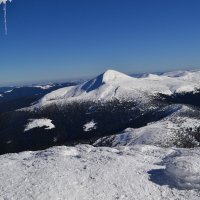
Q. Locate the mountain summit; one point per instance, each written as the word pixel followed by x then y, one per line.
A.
pixel 116 85
pixel 108 77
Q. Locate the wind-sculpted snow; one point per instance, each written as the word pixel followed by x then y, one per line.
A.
pixel 87 173
pixel 183 168
pixel 115 85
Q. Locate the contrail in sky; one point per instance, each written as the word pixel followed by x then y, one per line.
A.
pixel 5 14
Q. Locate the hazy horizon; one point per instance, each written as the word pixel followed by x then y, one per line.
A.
pixel 83 78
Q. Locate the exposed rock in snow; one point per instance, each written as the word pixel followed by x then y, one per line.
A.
pixel 38 123
pixel 90 126
pixel 86 173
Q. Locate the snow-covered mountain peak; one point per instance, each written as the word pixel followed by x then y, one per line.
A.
pixel 112 75
pixel 109 77
pixel 152 77
pixel 115 85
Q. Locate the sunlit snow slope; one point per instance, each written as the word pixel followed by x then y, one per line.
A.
pixel 115 85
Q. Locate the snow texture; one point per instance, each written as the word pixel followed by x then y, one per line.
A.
pixel 38 123
pixel 86 173
pixel 183 168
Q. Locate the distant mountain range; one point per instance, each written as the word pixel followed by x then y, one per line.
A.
pixel 99 110
pixel 12 98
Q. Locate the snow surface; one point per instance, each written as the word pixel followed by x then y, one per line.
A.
pixel 38 123
pixel 115 85
pixel 90 126
pixel 164 133
pixel 86 173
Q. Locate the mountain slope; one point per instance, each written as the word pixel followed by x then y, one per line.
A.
pixel 180 129
pixel 115 85
pixel 103 106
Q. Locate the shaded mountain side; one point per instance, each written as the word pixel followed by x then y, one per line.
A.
pixel 189 98
pixel 4 89
pixel 69 122
pixel 17 98
pixel 180 129
pixel 18 103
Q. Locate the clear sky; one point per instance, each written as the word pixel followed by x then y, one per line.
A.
pixel 61 39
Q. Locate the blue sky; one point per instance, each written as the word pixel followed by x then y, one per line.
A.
pixel 62 39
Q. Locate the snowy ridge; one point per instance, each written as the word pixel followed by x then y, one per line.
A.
pixel 167 132
pixel 115 85
pixel 187 74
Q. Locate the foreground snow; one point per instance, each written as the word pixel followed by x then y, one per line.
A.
pixel 85 172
